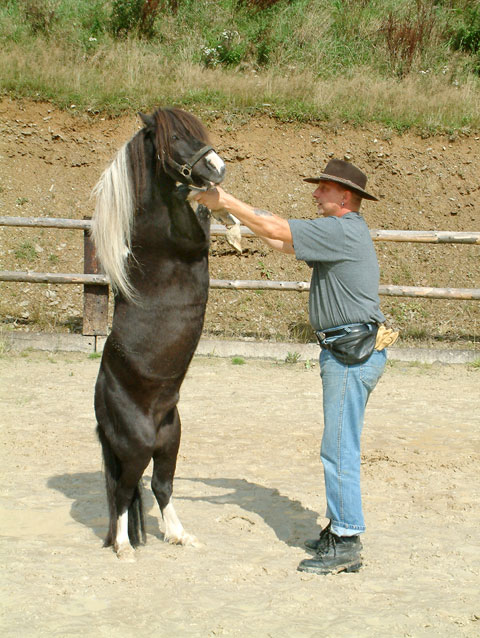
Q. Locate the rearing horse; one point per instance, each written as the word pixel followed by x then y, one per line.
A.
pixel 154 248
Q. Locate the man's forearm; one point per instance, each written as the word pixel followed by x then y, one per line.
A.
pixel 278 244
pixel 261 222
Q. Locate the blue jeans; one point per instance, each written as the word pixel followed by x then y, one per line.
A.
pixel 346 390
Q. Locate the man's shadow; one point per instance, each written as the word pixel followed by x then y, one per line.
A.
pixel 287 518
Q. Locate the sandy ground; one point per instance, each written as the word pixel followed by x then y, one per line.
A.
pixel 249 485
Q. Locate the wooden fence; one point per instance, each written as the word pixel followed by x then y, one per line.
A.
pixel 95 309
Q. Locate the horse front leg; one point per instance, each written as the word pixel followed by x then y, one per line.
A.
pixel 164 463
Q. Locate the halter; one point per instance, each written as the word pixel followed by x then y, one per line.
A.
pixel 186 169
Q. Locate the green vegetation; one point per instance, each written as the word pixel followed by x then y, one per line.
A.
pixel 404 63
pixel 238 361
pixel 292 357
pixel 26 251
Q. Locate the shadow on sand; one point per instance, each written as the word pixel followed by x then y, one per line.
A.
pixel 288 518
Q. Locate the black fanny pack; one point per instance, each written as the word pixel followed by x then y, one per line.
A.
pixel 349 344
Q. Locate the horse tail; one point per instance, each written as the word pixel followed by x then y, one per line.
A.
pixel 112 221
pixel 136 519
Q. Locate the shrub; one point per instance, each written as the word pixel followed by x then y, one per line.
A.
pixel 227 50
pixel 40 15
pixel 466 35
pixel 134 16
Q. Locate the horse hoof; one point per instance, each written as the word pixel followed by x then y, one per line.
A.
pixel 126 554
pixel 187 540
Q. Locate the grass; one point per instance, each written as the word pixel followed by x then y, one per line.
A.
pixel 26 251
pixel 292 357
pixel 404 64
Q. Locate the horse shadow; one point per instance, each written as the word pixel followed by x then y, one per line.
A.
pixel 287 517
pixel 89 506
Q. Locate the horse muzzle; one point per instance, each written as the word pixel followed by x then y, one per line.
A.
pixel 204 169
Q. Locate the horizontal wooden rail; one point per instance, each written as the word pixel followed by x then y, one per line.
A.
pixel 418 236
pixel 47 222
pixel 53 277
pixel 426 236
pixel 261 284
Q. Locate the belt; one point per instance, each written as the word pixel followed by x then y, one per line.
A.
pixel 340 331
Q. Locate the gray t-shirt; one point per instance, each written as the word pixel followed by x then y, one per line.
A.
pixel 345 277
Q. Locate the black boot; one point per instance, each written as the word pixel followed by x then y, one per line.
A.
pixel 315 543
pixel 334 554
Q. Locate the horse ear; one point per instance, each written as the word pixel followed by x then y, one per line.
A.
pixel 148 120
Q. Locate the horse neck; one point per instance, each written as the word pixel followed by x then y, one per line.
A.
pixel 164 221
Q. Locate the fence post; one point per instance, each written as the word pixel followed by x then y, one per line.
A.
pixel 95 296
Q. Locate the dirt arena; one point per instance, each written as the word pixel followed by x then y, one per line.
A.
pixel 249 485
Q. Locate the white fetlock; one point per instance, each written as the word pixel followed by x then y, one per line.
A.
pixel 174 532
pixel 122 547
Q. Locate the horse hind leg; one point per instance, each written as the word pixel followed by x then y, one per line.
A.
pixel 164 463
pixel 127 524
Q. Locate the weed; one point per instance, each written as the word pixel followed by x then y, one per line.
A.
pixel 94 355
pixel 475 365
pixel 26 252
pixel 302 332
pixel 406 37
pixel 292 357
pixel 265 272
pixel 238 361
pixel 20 201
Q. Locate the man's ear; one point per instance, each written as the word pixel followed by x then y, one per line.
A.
pixel 148 120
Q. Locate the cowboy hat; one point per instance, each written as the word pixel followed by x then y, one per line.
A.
pixel 346 174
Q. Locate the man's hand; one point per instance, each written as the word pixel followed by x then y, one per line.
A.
pixel 214 198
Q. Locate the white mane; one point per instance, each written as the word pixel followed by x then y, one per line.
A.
pixel 112 222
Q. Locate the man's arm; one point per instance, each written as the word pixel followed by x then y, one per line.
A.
pixel 264 224
pixel 278 244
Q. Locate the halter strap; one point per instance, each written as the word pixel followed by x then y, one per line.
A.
pixel 186 168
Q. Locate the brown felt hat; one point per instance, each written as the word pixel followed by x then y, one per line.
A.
pixel 346 174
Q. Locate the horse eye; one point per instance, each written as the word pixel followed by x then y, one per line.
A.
pixel 174 137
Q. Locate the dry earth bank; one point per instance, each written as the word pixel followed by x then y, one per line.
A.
pixel 51 159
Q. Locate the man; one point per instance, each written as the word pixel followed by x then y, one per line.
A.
pixel 343 302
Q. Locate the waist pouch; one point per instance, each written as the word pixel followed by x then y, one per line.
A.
pixel 349 344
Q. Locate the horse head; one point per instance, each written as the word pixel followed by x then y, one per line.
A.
pixel 172 147
pixel 182 148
